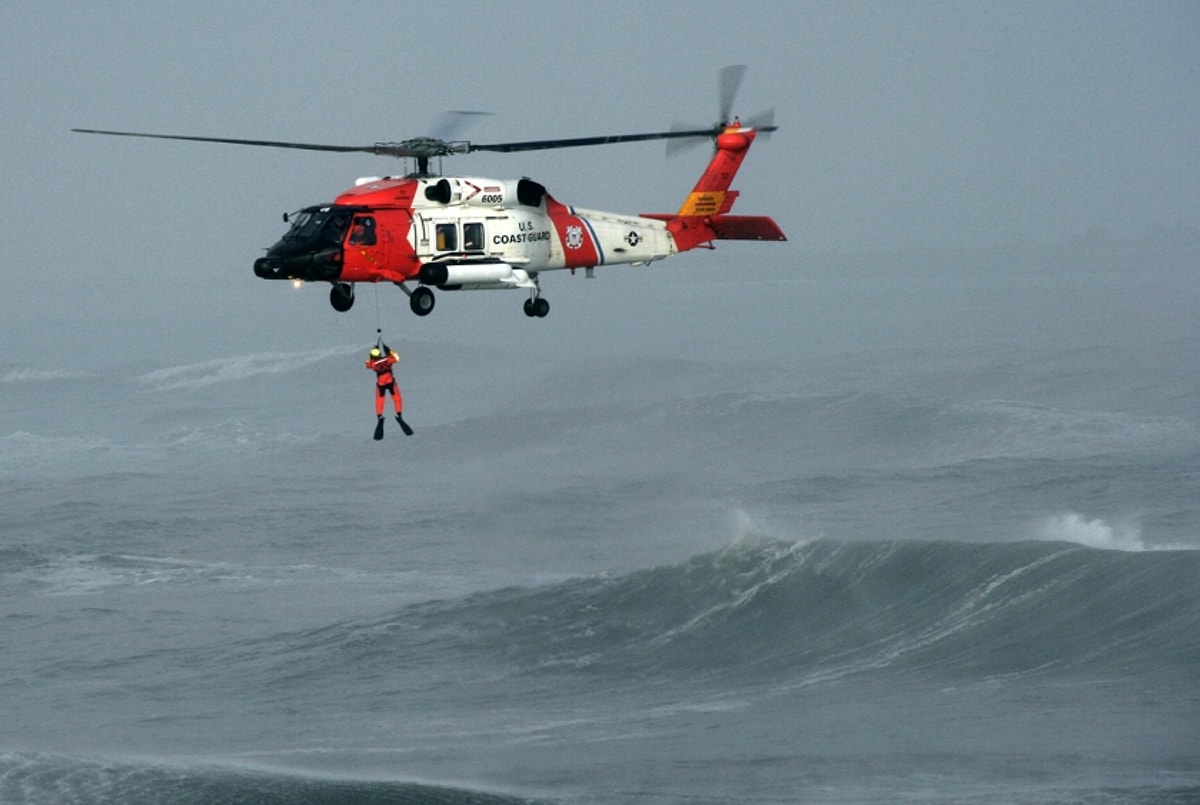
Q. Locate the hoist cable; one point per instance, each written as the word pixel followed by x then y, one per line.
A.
pixel 378 324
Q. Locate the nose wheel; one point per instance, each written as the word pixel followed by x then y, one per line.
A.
pixel 341 296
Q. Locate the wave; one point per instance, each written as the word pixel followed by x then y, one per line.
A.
pixel 27 375
pixel 233 369
pixel 59 571
pixel 1004 428
pixel 56 572
pixel 24 454
pixel 768 612
pixel 36 778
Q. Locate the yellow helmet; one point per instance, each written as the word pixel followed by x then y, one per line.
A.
pixel 375 353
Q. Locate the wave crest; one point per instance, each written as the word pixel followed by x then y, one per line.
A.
pixel 1098 534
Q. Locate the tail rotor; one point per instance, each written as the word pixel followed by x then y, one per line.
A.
pixel 729 81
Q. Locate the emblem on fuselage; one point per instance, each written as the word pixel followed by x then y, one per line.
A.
pixel 574 237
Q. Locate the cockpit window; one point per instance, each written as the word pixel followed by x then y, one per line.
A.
pixel 326 223
pixel 300 224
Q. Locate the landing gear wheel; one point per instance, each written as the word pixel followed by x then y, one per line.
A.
pixel 341 296
pixel 537 307
pixel 421 301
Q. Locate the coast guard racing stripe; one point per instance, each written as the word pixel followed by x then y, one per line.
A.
pixel 581 248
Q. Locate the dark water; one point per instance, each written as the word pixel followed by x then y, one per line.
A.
pixel 812 559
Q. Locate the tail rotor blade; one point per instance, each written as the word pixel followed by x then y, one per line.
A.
pixel 728 83
pixel 763 123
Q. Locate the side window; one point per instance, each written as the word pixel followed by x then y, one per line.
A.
pixel 473 237
pixel 447 237
pixel 362 232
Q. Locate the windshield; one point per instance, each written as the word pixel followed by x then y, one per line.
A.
pixel 327 223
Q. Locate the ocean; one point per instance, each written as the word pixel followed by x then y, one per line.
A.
pixel 912 527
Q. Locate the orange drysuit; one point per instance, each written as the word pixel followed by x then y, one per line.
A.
pixel 381 364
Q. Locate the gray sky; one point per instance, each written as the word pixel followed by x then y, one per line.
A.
pixel 902 124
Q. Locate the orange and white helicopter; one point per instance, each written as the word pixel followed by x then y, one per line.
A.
pixel 473 233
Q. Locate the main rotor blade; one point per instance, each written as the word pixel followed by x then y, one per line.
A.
pixel 426 147
pixel 573 142
pixel 450 123
pixel 678 146
pixel 370 149
pixel 418 147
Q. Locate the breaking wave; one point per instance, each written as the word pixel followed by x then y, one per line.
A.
pixel 758 620
pixel 1098 534
pixel 768 612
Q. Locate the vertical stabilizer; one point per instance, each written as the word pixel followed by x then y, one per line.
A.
pixel 712 195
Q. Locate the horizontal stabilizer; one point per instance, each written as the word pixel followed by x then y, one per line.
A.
pixel 746 227
pixel 691 231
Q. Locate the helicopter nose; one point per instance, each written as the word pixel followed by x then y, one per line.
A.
pixel 307 263
pixel 269 268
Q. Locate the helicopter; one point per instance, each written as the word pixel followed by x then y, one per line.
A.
pixel 422 231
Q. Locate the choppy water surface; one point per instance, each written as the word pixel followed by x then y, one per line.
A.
pixel 836 552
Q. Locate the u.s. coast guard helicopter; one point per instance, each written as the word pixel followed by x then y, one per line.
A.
pixel 422 231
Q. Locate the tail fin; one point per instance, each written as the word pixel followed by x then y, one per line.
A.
pixel 711 195
pixel 704 215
